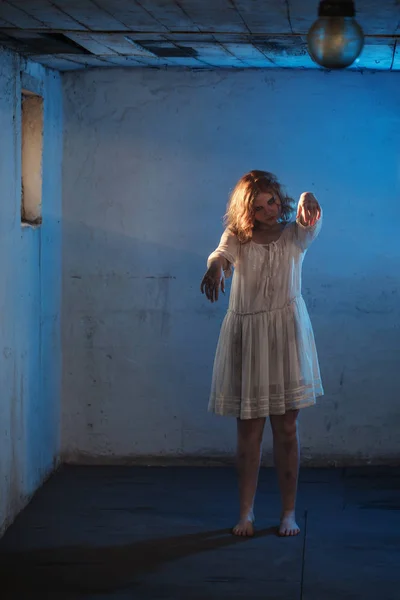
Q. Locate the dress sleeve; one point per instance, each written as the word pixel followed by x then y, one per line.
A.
pixel 228 248
pixel 306 235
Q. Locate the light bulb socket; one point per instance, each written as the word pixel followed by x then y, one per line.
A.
pixel 336 8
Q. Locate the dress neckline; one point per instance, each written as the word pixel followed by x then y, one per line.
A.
pixel 274 243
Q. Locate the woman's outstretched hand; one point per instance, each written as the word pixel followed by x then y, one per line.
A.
pixel 212 282
pixel 309 210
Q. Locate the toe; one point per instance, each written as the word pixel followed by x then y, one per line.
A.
pixel 244 528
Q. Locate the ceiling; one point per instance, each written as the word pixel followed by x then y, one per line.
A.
pixel 199 34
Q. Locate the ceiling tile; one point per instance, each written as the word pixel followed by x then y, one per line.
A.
pixel 239 33
pixel 194 37
pixel 214 16
pixel 248 53
pixel 376 57
pixel 130 61
pixel 302 14
pixel 374 16
pixel 188 62
pixel 90 14
pixel 108 43
pixel 214 54
pixel 131 15
pixel 60 64
pixel 396 58
pixel 86 60
pixel 18 17
pixel 171 15
pixel 378 17
pixel 261 16
pixel 47 13
pixel 303 61
pixel 90 43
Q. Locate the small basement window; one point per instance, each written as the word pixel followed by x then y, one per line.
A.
pixel 31 158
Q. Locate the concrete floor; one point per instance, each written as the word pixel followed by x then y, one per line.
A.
pixel 163 533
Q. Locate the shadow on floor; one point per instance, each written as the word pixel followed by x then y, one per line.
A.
pixel 58 572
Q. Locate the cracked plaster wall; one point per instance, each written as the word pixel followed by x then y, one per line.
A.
pixel 149 160
pixel 30 266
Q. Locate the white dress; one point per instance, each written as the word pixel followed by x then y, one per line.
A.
pixel 266 362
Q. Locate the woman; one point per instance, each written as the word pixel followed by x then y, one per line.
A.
pixel 266 363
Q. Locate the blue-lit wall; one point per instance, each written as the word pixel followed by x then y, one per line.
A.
pixel 30 260
pixel 150 158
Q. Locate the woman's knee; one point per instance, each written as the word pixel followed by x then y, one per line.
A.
pixel 285 426
pixel 250 432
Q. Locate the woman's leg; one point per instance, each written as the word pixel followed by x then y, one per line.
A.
pixel 286 457
pixel 250 434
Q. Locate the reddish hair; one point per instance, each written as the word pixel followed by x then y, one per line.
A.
pixel 240 213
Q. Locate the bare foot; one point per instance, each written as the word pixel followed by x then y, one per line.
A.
pixel 245 527
pixel 288 526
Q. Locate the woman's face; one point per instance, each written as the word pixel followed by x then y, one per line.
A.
pixel 267 208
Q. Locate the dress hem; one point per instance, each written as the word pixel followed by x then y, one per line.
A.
pixel 245 414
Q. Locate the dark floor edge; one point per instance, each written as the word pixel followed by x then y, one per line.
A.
pixel 223 461
pixel 24 500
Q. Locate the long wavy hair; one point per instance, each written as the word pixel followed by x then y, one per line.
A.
pixel 240 214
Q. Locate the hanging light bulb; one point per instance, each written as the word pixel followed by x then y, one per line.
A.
pixel 336 39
